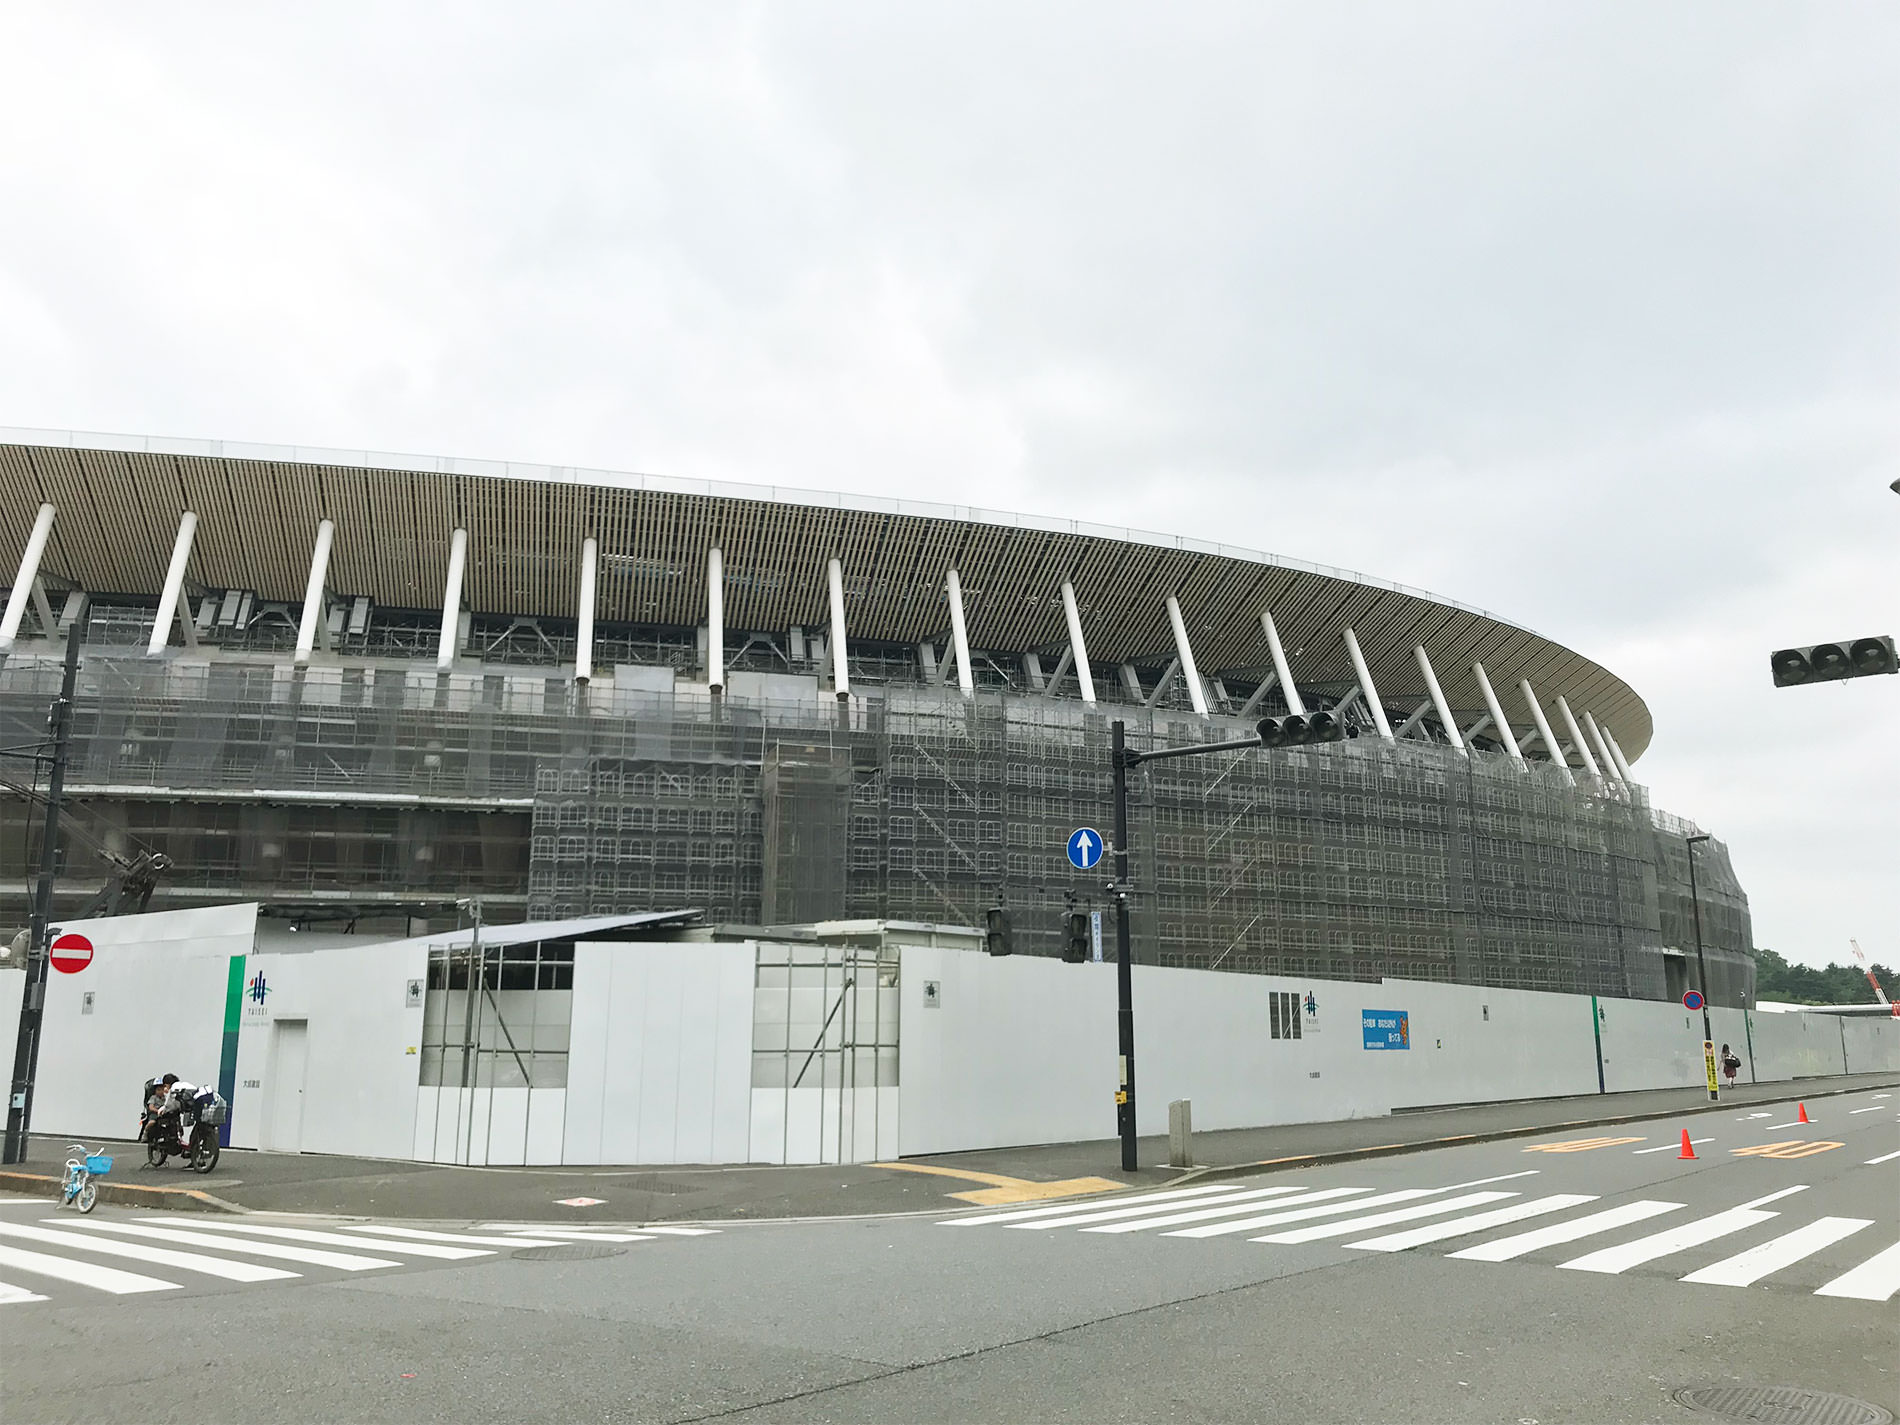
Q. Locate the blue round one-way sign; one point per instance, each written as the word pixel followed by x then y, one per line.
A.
pixel 1085 848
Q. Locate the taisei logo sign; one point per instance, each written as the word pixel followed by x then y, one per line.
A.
pixel 255 991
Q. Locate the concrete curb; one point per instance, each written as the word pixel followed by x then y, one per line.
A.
pixel 122 1194
pixel 1390 1150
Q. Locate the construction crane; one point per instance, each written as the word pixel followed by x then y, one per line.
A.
pixel 131 880
pixel 1873 979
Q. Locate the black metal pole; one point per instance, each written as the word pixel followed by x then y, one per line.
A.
pixel 1124 966
pixel 26 1048
pixel 1701 967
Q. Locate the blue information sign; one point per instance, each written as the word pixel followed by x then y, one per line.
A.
pixel 1386 1028
pixel 1085 848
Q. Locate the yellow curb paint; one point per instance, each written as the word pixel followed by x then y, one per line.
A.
pixel 1006 1190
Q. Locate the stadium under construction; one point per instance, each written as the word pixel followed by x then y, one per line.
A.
pixel 359 688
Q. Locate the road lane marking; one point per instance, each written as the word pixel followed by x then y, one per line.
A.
pixel 1298 1214
pixel 1777 1127
pixel 1875 1279
pixel 1775 1196
pixel 1667 1146
pixel 1877 1108
pixel 1505 1248
pixel 11 1295
pixel 1580 1145
pixel 1111 1213
pixel 153 1256
pixel 1384 1219
pixel 1747 1268
pixel 338 1239
pixel 1613 1260
pixel 1748 1117
pixel 342 1261
pixel 683 1231
pixel 1004 1189
pixel 1477 1222
pixel 1175 1219
pixel 82 1273
pixel 417 1234
pixel 1486 1182
pixel 985 1218
pixel 1883 1158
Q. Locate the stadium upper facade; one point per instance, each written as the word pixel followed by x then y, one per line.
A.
pixel 353 685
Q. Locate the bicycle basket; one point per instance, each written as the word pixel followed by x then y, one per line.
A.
pixel 98 1164
pixel 213 1115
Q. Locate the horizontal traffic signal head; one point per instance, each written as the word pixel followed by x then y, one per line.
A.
pixel 1830 662
pixel 1297 731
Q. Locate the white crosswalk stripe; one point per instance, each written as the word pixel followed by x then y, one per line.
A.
pixel 1202 1214
pixel 1505 1248
pixel 152 1256
pixel 43 1259
pixel 1466 1226
pixel 1668 1242
pixel 1308 1215
pixel 1875 1279
pixel 1747 1268
pixel 1386 1219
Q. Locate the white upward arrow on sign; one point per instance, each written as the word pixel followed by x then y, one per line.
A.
pixel 1084 843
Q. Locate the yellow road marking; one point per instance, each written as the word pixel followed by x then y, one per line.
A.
pixel 1005 1190
pixel 1794 1148
pixel 1579 1145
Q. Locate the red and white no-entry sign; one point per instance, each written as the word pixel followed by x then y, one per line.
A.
pixel 72 953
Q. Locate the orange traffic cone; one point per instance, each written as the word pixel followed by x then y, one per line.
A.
pixel 1802 1116
pixel 1688 1149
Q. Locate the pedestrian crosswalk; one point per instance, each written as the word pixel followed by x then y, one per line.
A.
pixel 66 1259
pixel 1356 1218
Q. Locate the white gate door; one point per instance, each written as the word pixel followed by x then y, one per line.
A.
pixel 289 1056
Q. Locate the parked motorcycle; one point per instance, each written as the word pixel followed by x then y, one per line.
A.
pixel 191 1134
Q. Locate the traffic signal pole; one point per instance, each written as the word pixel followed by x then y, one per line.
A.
pixel 1702 970
pixel 1122 758
pixel 26 1048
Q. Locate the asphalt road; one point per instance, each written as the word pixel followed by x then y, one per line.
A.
pixel 1392 1289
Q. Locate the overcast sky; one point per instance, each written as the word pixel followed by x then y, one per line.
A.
pixel 1585 314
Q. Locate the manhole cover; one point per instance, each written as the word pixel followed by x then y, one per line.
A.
pixel 1781 1405
pixel 587 1251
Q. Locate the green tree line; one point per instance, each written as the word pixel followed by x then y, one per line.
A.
pixel 1776 979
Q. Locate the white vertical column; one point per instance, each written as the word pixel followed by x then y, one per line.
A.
pixel 840 660
pixel 715 618
pixel 1498 720
pixel 1577 738
pixel 584 611
pixel 1365 685
pixel 452 601
pixel 313 592
pixel 1074 619
pixel 174 584
pixel 1293 703
pixel 959 633
pixel 1445 718
pixel 1543 729
pixel 1622 762
pixel 1196 695
pixel 1603 748
pixel 23 581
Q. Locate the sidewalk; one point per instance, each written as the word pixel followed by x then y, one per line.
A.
pixel 366 1187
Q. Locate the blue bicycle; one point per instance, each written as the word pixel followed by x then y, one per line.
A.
pixel 78 1189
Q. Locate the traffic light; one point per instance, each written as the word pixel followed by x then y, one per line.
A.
pixel 1297 731
pixel 1830 662
pixel 1078 941
pixel 1000 936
